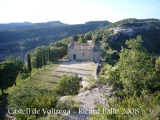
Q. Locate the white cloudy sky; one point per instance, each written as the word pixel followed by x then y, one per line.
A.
pixel 77 11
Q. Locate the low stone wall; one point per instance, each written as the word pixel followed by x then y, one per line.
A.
pixel 96 70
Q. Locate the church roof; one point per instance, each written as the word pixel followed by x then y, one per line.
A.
pixel 82 45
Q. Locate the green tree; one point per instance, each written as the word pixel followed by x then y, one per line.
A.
pixel 49 55
pixel 136 70
pixel 135 82
pixel 37 57
pixel 28 97
pixel 8 74
pixel 69 85
pixel 157 65
pixel 88 36
pixel 43 59
pixel 75 37
pixel 83 40
pixel 29 64
pixel 38 62
pixel 17 63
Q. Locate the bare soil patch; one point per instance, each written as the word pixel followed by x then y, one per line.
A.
pixel 84 69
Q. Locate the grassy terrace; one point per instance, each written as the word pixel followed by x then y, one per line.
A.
pixel 47 78
pixel 41 78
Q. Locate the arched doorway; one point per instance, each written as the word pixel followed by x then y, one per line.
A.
pixel 74 56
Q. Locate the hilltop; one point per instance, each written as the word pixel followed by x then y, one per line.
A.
pixel 115 35
pixel 29 25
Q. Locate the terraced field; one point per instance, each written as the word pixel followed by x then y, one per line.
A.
pixel 47 78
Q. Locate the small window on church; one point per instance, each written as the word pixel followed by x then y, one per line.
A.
pixel 83 54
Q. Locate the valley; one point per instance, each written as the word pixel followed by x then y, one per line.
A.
pixel 21 38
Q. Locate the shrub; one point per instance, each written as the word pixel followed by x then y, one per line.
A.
pixel 68 103
pixel 145 107
pixel 27 97
pixel 68 85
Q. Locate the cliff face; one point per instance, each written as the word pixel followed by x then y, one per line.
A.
pixel 129 30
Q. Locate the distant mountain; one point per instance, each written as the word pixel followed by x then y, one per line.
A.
pixel 16 37
pixel 28 25
pixel 49 24
pixel 13 25
pixel 102 23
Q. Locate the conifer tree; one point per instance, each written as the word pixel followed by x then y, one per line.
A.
pixel 49 56
pixel 29 64
pixel 43 59
pixel 37 62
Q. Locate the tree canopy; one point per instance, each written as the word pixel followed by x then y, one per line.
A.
pixel 69 85
pixel 9 70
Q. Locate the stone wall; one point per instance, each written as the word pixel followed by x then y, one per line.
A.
pixel 81 54
pixel 97 57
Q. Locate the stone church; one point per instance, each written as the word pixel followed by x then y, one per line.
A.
pixel 84 51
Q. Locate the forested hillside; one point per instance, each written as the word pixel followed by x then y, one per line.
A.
pixel 149 29
pixel 135 79
pixel 26 36
pixel 114 36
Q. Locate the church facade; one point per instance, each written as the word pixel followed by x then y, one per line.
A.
pixel 84 52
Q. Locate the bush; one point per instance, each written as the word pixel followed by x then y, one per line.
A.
pixel 157 65
pixel 145 107
pixel 68 103
pixel 28 97
pixel 51 117
pixel 68 85
pixel 25 72
pixel 114 55
pixel 135 79
pixel 135 70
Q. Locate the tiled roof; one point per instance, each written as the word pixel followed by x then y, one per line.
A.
pixel 82 46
